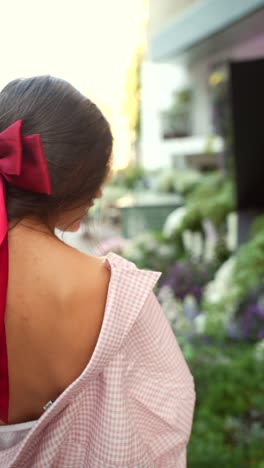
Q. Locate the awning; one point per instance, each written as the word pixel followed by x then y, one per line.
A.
pixel 200 23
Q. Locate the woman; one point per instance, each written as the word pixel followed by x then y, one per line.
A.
pixel 90 372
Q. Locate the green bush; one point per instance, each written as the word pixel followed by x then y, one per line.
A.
pixel 228 429
pixel 212 199
pixel 182 181
pixel 249 270
pixel 232 286
pixel 130 178
pixel 257 227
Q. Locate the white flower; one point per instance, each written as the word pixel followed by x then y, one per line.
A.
pixel 168 303
pixel 134 253
pixel 187 239
pixel 199 323
pixel 218 288
pixel 231 238
pixel 190 306
pixel 259 351
pixel 210 243
pixel 173 221
pixel 165 250
pixel 193 243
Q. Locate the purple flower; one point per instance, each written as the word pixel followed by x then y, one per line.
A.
pixel 252 322
pixel 186 278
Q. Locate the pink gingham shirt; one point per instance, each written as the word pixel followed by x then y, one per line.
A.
pixel 131 407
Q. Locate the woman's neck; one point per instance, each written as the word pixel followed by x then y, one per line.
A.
pixel 33 224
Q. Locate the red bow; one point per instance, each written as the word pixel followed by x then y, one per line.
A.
pixel 22 163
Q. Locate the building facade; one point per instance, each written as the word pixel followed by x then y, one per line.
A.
pixel 187 42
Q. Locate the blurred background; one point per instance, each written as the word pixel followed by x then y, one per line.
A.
pixel 182 83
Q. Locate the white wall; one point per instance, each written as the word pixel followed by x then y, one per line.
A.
pixel 158 81
pixel 202 111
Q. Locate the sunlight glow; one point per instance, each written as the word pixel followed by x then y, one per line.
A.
pixel 85 42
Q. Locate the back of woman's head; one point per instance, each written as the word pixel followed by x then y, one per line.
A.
pixel 76 139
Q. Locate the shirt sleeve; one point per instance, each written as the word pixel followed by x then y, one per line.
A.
pixel 160 387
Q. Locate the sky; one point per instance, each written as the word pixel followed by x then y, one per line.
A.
pixel 87 42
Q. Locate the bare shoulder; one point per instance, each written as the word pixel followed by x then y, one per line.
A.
pixel 83 274
pixel 88 284
pixel 55 311
pixel 83 302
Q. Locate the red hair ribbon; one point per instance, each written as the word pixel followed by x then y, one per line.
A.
pixel 22 163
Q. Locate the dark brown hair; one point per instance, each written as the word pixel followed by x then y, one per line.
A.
pixel 76 139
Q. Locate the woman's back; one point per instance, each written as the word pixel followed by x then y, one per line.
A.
pixel 55 307
pixel 85 349
pixel 133 403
